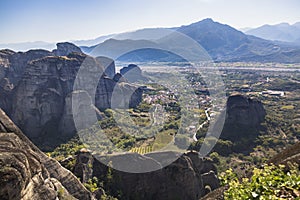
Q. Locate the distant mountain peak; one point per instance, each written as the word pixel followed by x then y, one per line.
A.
pixel 204 21
pixel 207 20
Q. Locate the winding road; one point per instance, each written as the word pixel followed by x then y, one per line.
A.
pixel 201 125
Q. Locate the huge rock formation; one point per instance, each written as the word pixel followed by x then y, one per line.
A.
pixel 243 118
pixel 65 48
pixel 39 84
pixel 133 73
pixel 12 68
pixel 189 177
pixel 27 173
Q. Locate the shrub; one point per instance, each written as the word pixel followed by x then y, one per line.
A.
pixel 269 182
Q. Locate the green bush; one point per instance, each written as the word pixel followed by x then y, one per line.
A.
pixel 92 184
pixel 215 157
pixel 269 182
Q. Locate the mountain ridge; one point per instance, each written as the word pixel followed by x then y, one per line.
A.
pixel 222 42
pixel 284 32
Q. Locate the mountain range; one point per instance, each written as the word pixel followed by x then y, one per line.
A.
pixel 280 32
pixel 220 42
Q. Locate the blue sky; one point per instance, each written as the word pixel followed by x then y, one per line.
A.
pixel 61 20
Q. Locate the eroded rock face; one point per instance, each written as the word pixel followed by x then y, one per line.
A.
pixel 132 73
pixel 12 68
pixel 108 64
pixel 289 155
pixel 27 173
pixel 39 85
pixel 119 78
pixel 65 48
pixel 243 118
pixel 85 113
pixel 186 178
pixel 39 98
pixel 245 111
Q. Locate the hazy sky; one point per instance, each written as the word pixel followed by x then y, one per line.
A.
pixel 61 20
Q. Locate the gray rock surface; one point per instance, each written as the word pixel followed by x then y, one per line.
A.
pixel 243 117
pixel 119 78
pixel 186 178
pixel 12 68
pixel 108 64
pixel 40 84
pixel 65 48
pixel 133 73
pixel 27 173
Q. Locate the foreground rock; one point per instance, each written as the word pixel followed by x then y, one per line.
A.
pixel 189 177
pixel 287 156
pixel 27 173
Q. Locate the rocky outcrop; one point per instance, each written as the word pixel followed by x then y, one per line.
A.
pixel 39 97
pixel 108 64
pixel 289 155
pixel 65 48
pixel 243 118
pixel 27 173
pixel 186 178
pixel 39 84
pixel 217 194
pixel 132 73
pixel 119 78
pixel 84 111
pixel 12 68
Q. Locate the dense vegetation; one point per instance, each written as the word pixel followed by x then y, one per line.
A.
pixel 269 182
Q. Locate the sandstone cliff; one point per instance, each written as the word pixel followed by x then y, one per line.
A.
pixel 133 73
pixel 12 67
pixel 108 64
pixel 189 177
pixel 243 118
pixel 39 84
pixel 27 173
pixel 65 48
